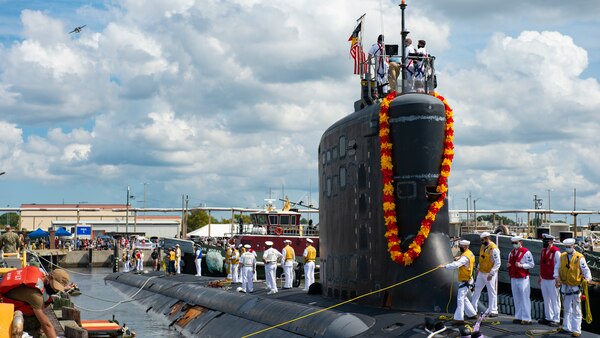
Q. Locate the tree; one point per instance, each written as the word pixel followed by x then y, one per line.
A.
pixel 10 218
pixel 303 221
pixel 499 219
pixel 197 219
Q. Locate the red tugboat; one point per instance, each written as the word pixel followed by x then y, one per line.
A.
pixel 276 226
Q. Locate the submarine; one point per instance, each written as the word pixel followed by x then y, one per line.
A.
pixel 384 225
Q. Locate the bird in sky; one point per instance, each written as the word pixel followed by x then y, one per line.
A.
pixel 77 29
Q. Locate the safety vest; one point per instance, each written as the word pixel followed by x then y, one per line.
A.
pixel 547 262
pixel 485 257
pixel 311 254
pixel 289 253
pixel 235 258
pixel 569 271
pixel 242 251
pixel 465 273
pixel 515 257
pixel 172 256
pixel 228 253
pixel 29 276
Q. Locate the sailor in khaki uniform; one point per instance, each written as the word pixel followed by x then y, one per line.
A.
pixel 572 271
pixel 487 274
pixel 310 255
pixel 288 265
pixel 464 263
pixel 270 257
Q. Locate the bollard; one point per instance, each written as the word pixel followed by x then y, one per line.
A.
pixel 90 250
pixel 115 256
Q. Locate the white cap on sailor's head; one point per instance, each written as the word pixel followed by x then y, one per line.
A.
pixel 269 243
pixel 247 246
pixel 516 239
pixel 484 234
pixel 176 244
pixel 569 241
pixel 464 242
pixel 287 241
pixel 241 245
pixel 308 240
pixel 548 237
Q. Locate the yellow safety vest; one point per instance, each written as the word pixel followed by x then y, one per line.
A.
pixel 228 254
pixel 235 260
pixel 485 257
pixel 311 254
pixel 289 253
pixel 242 251
pixel 570 275
pixel 465 273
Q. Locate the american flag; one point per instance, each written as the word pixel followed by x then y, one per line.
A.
pixel 356 51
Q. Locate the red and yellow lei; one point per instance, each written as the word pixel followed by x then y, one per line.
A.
pixel 389 206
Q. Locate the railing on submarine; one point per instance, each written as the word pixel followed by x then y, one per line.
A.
pixel 278 230
pixel 424 83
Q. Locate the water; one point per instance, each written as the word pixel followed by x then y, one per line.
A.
pixel 130 314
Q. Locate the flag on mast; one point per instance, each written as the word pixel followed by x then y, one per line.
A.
pixel 356 50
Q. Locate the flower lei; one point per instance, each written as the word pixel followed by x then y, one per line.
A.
pixel 389 206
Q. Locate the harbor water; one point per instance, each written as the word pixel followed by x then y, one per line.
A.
pixel 96 295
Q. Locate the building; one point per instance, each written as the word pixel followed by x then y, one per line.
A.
pixel 102 218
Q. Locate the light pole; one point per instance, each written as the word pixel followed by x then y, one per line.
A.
pixel 7 214
pixel 467 199
pixel 475 210
pixel 127 213
pixel 549 207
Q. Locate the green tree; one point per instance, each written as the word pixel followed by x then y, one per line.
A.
pixel 197 219
pixel 10 218
pixel 303 221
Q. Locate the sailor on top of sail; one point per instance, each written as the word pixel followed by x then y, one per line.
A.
pixel 487 273
pixel 464 264
pixel 573 269
pixel 381 66
pixel 549 264
pixel 520 261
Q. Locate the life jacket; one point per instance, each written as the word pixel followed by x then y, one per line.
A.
pixel 172 256
pixel 465 273
pixel 547 262
pixel 515 257
pixel 311 254
pixel 569 271
pixel 29 276
pixel 289 253
pixel 485 257
pixel 235 257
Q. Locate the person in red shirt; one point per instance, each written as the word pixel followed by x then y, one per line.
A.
pixel 549 264
pixel 520 261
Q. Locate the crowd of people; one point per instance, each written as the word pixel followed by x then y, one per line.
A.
pixel 560 274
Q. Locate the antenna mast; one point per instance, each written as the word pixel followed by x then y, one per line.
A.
pixel 404 33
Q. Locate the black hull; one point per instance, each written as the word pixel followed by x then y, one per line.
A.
pixel 354 252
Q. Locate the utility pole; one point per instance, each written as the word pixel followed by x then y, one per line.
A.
pixel 184 235
pixel 574 213
pixel 145 186
pixel 467 199
pixel 182 216
pixel 127 215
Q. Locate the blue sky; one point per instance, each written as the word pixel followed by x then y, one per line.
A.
pixel 225 100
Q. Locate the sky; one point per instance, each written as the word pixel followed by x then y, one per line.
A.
pixel 226 101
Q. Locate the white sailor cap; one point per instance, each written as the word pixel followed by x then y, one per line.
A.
pixel 516 238
pixel 548 236
pixel 484 234
pixel 176 244
pixel 241 245
pixel 247 246
pixel 287 241
pixel 309 240
pixel 569 241
pixel 269 243
pixel 232 245
pixel 464 242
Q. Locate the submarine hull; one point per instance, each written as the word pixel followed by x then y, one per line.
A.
pixel 354 255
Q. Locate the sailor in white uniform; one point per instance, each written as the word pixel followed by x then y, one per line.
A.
pixel 573 269
pixel 487 274
pixel 310 255
pixel 464 263
pixel 248 261
pixel 289 257
pixel 520 261
pixel 271 256
pixel 548 280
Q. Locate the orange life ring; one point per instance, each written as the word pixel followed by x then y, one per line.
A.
pixel 278 231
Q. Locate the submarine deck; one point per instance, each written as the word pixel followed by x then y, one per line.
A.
pixel 173 297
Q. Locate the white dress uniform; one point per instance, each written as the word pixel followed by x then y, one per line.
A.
pixel 463 305
pixel 381 65
pixel 235 256
pixel 549 289
pixel 140 262
pixel 521 288
pixel 482 281
pixel 126 262
pixel 270 257
pixel 572 301
pixel 288 266
pixel 248 261
pixel 178 258
pixel 309 268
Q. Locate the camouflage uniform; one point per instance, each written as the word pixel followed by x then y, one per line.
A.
pixel 9 242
